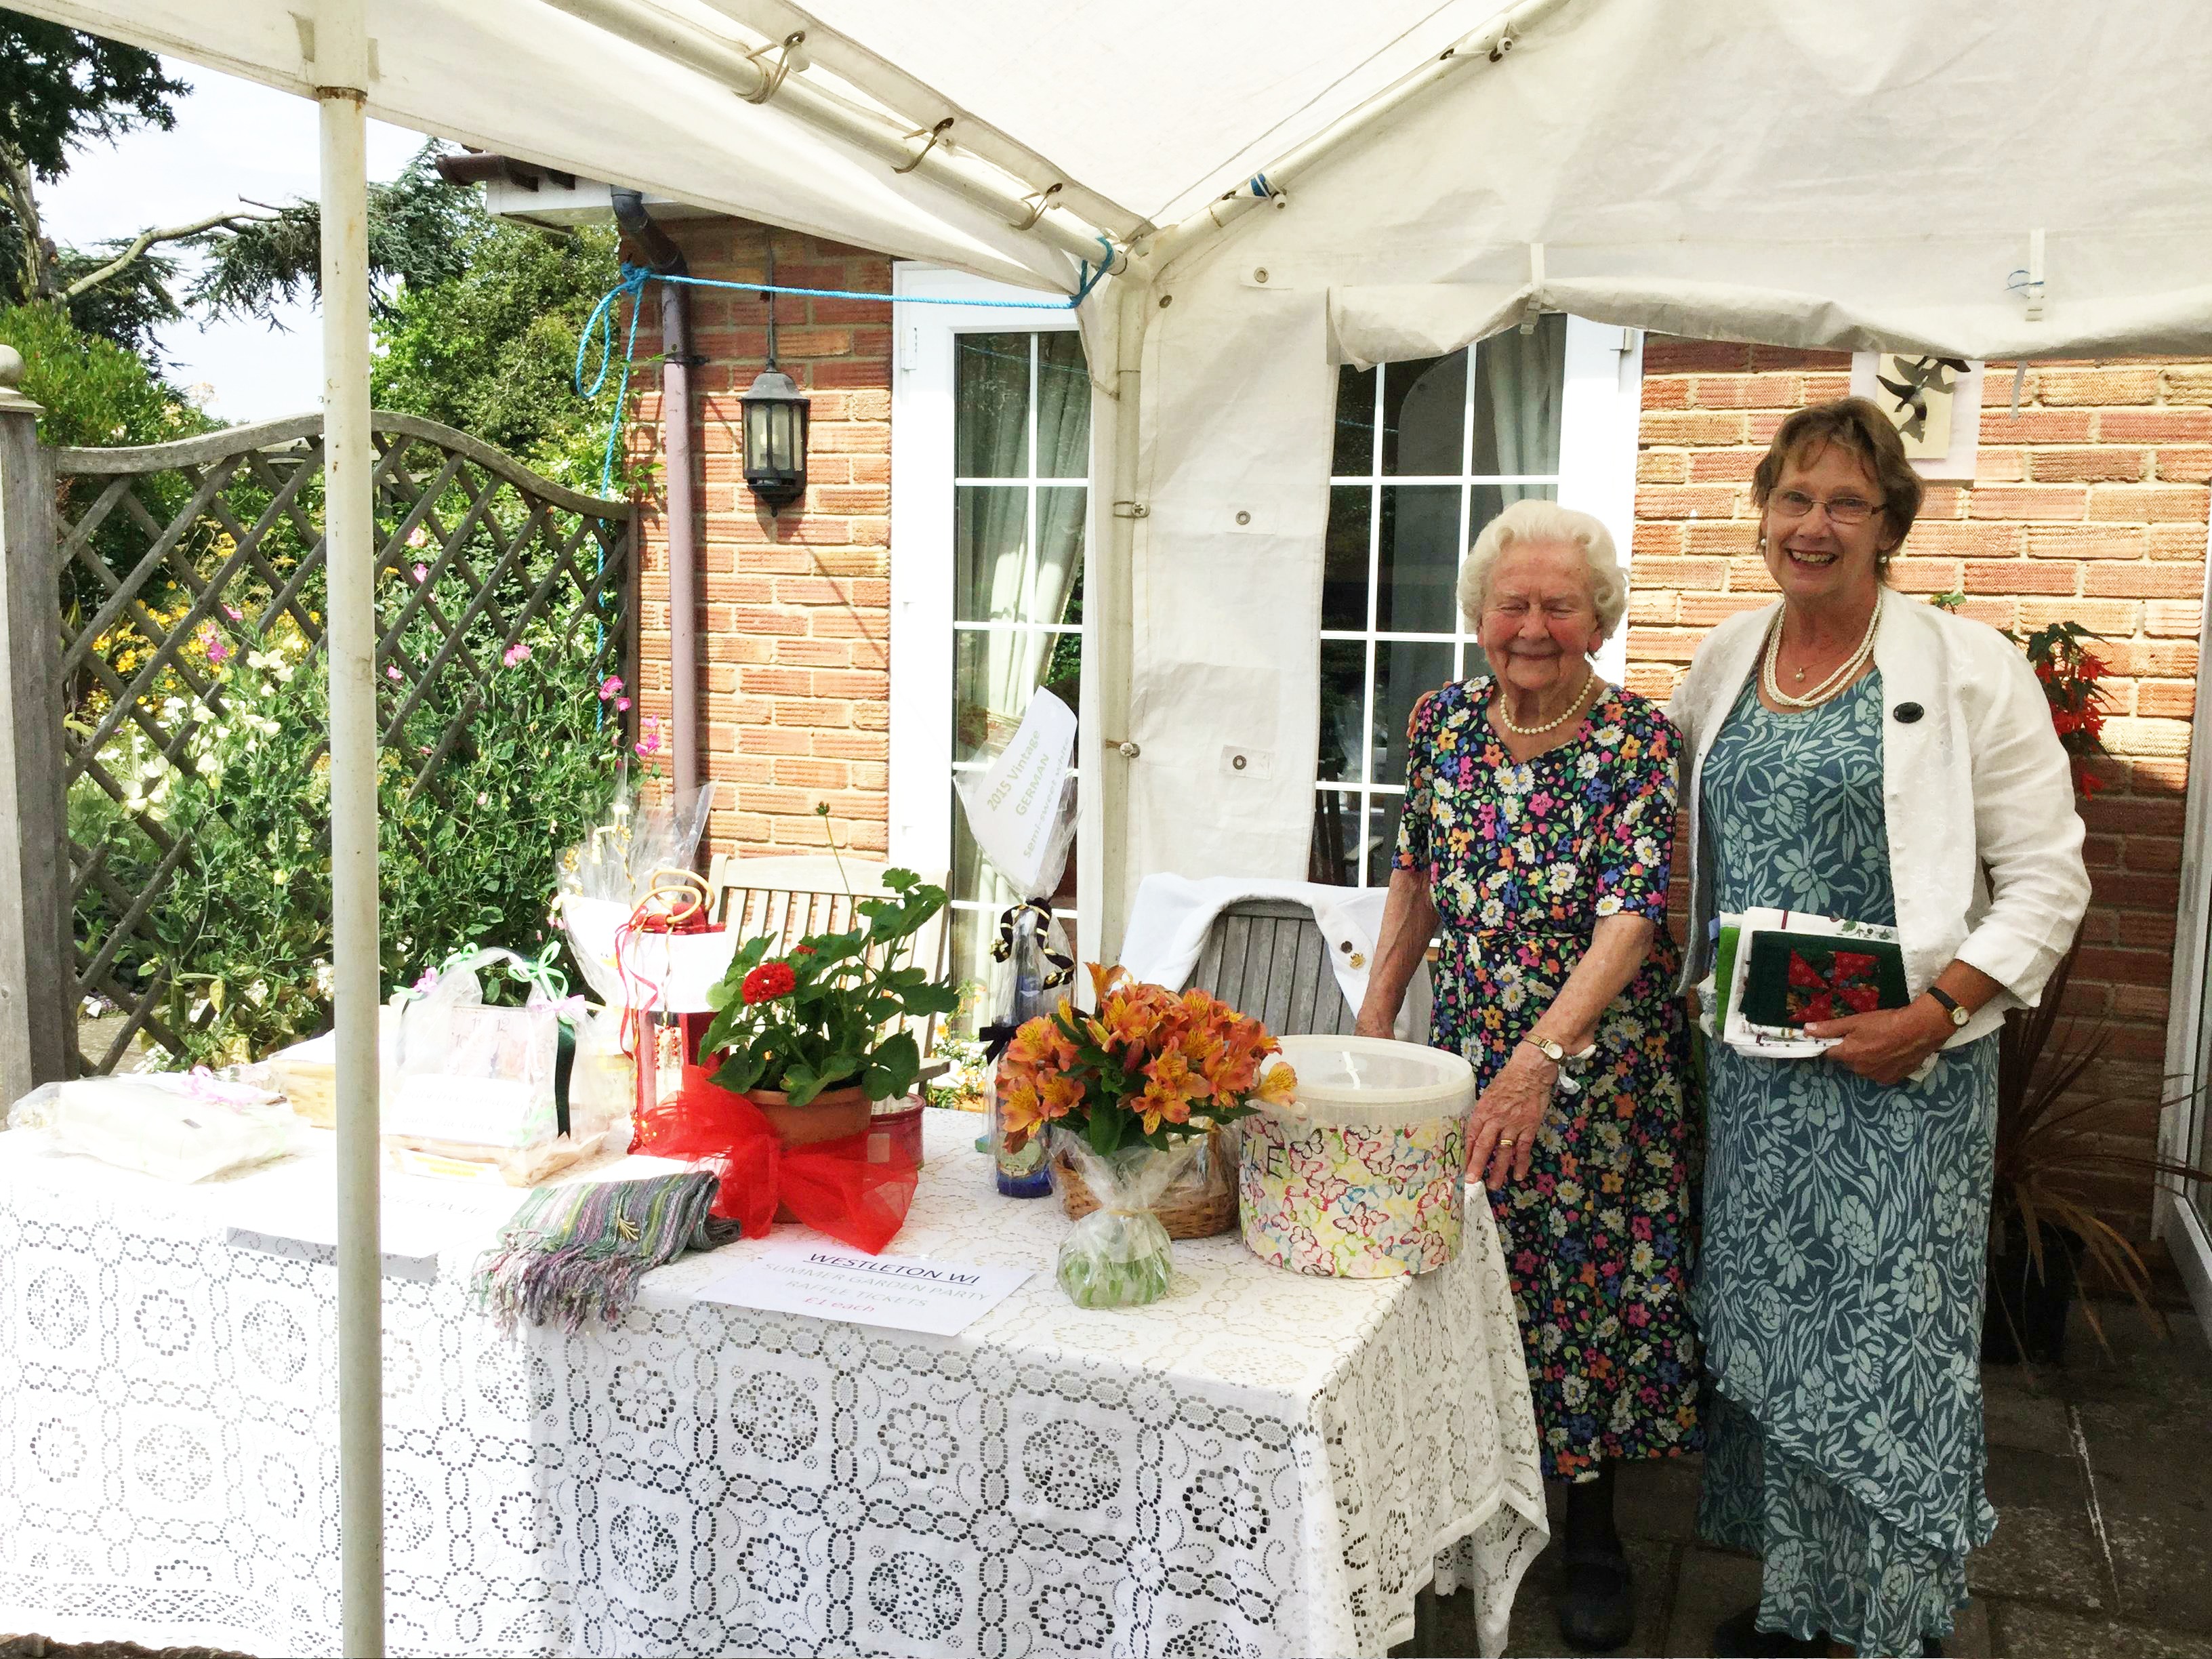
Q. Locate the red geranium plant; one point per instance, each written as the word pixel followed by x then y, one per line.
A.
pixel 828 1012
pixel 2070 673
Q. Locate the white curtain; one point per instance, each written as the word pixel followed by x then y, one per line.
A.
pixel 1014 575
pixel 1523 377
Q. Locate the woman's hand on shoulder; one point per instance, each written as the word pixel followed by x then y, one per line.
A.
pixel 1887 1045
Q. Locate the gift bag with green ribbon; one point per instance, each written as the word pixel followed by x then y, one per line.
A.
pixel 475 1090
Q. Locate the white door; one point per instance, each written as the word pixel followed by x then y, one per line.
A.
pixel 990 490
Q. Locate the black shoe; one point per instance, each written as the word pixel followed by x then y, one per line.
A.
pixel 1597 1606
pixel 1741 1637
pixel 1931 1647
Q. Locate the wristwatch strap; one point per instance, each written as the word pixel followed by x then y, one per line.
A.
pixel 1560 1057
pixel 1950 1005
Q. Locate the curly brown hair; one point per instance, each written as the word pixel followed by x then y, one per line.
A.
pixel 1865 433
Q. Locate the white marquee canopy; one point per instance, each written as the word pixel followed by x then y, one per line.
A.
pixel 1283 188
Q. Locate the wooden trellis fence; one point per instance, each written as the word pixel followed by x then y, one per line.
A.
pixel 191 587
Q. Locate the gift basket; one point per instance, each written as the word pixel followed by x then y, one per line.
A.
pixel 1357 1171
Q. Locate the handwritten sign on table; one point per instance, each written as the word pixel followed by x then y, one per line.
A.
pixel 810 1275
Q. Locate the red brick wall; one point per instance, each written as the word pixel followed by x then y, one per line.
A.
pixel 795 610
pixel 2091 505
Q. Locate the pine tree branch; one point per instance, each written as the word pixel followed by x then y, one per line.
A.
pixel 146 238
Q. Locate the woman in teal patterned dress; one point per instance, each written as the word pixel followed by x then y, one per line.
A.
pixel 1867 758
pixel 1537 842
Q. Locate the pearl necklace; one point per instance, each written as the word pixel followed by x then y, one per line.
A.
pixel 1520 730
pixel 1828 686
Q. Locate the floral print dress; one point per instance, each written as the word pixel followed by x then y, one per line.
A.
pixel 1523 859
pixel 1840 1284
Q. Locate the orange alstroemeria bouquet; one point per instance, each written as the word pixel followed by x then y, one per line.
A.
pixel 1149 1068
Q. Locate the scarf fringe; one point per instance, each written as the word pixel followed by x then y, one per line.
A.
pixel 575 1254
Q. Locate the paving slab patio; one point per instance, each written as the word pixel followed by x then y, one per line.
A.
pixel 2100 1470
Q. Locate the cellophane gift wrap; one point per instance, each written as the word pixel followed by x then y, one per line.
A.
pixel 1117 1256
pixel 1361 1176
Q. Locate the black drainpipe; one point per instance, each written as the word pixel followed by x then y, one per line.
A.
pixel 665 258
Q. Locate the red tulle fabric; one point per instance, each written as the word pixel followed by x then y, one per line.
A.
pixel 831 1186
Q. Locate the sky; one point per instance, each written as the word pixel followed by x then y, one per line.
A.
pixel 233 141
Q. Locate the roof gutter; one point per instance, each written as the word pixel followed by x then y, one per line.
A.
pixel 663 257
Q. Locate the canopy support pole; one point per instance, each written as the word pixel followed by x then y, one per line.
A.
pixel 1109 619
pixel 988 186
pixel 340 67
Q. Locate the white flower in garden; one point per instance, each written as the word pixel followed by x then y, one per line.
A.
pixel 284 673
pixel 207 765
pixel 326 978
pixel 202 714
pixel 258 991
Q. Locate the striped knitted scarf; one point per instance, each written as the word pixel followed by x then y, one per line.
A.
pixel 576 1252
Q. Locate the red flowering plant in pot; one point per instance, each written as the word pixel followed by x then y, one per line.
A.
pixel 815 1035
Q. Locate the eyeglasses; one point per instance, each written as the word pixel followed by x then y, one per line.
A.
pixel 1843 509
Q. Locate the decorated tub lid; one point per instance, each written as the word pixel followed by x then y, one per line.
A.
pixel 1373 1080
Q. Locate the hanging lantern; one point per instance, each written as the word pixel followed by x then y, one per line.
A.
pixel 776 439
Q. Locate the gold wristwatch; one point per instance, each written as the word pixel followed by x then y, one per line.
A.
pixel 1546 1047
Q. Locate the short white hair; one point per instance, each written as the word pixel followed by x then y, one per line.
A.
pixel 1547 522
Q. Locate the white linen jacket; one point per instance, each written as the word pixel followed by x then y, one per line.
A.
pixel 1985 844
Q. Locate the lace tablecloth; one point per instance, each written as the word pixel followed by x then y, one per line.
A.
pixel 1261 1464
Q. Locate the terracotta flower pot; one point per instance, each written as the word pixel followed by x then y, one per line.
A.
pixel 830 1115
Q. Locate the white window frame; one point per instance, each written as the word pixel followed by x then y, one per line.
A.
pixel 1600 404
pixel 923 499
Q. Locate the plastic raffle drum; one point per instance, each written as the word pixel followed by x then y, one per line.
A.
pixel 1360 1177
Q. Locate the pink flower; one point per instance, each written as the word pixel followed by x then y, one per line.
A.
pixel 421 573
pixel 392 672
pixel 622 705
pixel 214 644
pixel 234 613
pixel 429 978
pixel 610 687
pixel 515 654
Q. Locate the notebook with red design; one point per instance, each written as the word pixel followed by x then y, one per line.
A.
pixel 1796 980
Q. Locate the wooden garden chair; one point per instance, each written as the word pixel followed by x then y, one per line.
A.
pixel 1267 957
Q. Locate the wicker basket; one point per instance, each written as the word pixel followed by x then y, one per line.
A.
pixel 1198 1203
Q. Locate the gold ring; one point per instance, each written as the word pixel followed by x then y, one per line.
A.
pixel 1509 1140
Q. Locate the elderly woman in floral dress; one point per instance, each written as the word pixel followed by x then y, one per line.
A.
pixel 1535 844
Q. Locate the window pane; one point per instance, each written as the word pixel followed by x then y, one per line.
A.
pixel 1403 670
pixel 1344 558
pixel 1423 415
pixel 1343 709
pixel 995 672
pixel 1353 456
pixel 1335 838
pixel 994 575
pixel 1382 814
pixel 1063 406
pixel 991 401
pixel 969 961
pixel 1518 382
pixel 1419 566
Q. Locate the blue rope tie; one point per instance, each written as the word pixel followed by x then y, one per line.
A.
pixel 634 277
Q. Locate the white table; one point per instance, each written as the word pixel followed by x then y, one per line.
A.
pixel 1261 1464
